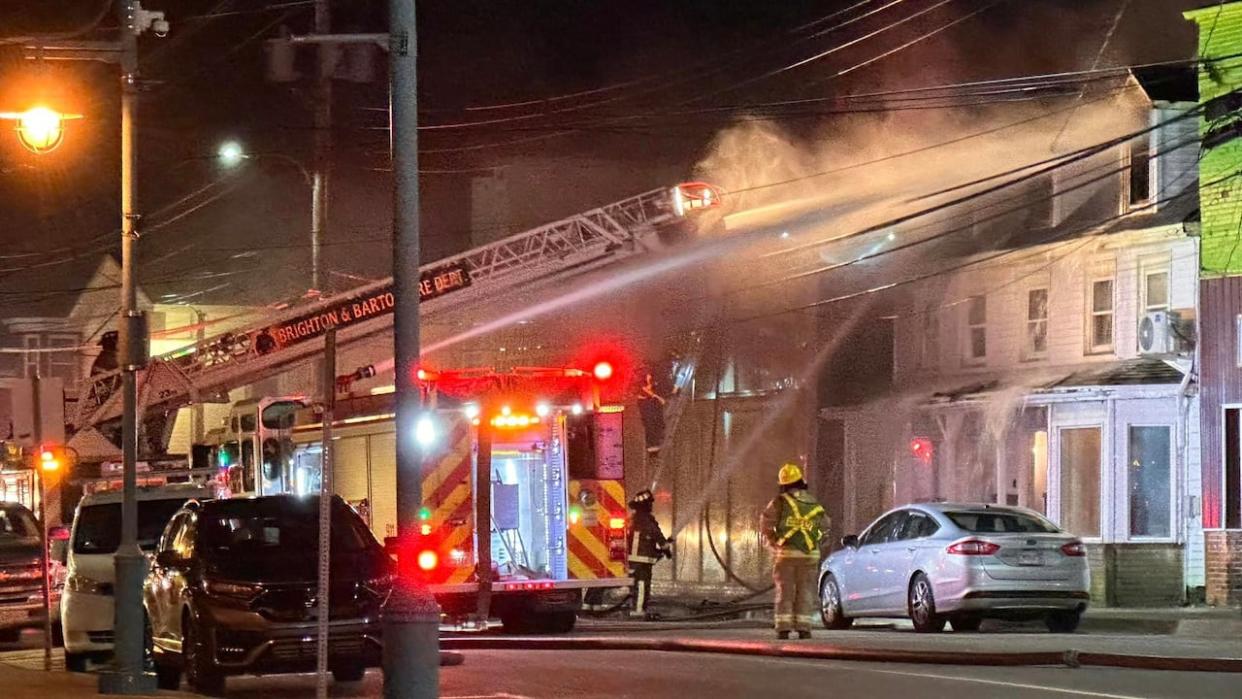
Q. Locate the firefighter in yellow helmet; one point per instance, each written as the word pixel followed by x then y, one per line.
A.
pixel 794 524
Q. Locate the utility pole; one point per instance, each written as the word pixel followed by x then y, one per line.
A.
pixel 411 617
pixel 128 674
pixel 324 585
pixel 36 409
pixel 322 96
pixel 199 422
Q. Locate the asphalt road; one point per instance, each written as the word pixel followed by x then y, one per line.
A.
pixel 650 675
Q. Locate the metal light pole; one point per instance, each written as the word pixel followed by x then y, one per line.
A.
pixel 411 617
pixel 128 675
pixel 323 135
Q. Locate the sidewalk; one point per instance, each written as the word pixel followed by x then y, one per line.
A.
pixel 1191 622
pixel 19 683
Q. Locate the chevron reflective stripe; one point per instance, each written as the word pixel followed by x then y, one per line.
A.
pixel 447 494
pixel 589 557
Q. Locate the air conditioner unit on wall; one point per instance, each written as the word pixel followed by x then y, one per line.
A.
pixel 1158 333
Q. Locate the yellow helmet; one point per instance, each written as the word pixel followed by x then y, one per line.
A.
pixel 790 473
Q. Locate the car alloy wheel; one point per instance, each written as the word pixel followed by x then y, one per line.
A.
pixel 830 605
pixel 923 606
pixel 198 670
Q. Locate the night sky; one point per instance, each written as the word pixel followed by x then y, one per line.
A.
pixel 242 235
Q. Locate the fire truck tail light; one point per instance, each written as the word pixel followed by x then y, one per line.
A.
pixel 425 529
pixel 602 371
pixel 428 560
pixel 529 586
pixel 615 523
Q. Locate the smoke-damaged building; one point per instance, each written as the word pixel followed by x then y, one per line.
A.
pixel 1049 364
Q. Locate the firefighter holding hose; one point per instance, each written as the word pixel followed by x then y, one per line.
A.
pixel 794 523
pixel 646 546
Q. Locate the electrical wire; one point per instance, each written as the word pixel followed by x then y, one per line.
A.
pixel 828 52
pixel 84 28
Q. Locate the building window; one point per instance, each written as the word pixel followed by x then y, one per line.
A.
pixel 63 364
pixel 1101 313
pixel 976 340
pixel 1138 172
pixel 1237 340
pixel 30 359
pixel 1233 469
pixel 1080 481
pixel 929 355
pixel 1150 475
pixel 1037 322
pixel 1156 291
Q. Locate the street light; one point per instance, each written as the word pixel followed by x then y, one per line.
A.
pixel 231 154
pixel 40 129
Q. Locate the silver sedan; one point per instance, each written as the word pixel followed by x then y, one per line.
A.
pixel 957 563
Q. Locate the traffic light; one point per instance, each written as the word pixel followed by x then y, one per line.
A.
pixel 48 461
pixel 52 459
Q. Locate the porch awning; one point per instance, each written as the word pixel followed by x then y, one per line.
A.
pixel 1132 372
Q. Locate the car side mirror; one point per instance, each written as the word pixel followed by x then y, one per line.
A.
pixel 167 558
pixel 850 541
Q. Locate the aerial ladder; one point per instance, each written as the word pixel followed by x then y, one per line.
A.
pixel 209 369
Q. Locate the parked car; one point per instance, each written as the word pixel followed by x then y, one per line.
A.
pixel 233 591
pixel 86 605
pixel 960 563
pixel 21 572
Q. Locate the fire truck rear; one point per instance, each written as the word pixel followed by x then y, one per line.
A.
pixel 553 503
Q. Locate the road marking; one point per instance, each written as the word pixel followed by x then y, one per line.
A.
pixel 975 680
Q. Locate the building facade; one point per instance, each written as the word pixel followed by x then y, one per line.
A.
pixel 1219 79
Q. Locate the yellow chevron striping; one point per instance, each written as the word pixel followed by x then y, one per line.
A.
pixel 597 548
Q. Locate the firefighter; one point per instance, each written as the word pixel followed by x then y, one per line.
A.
pixel 646 545
pixel 794 524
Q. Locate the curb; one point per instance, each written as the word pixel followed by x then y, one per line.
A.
pixel 1067 658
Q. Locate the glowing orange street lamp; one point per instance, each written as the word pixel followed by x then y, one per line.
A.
pixel 40 129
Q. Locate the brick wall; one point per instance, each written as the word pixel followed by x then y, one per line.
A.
pixel 1136 575
pixel 1224 567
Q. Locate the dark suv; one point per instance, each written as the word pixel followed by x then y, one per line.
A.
pixel 21 572
pixel 232 591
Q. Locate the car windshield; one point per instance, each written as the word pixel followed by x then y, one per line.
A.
pixel 270 530
pixel 99 526
pixel 17 523
pixel 995 522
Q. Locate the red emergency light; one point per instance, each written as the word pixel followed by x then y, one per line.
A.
pixel 602 371
pixel 922 449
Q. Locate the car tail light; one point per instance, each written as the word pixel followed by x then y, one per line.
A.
pixel 1074 548
pixel 428 560
pixel 974 547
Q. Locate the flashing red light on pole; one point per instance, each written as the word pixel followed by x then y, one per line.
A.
pixel 602 371
pixel 922 449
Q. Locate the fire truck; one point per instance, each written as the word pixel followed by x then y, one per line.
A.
pixel 530 453
pixel 556 497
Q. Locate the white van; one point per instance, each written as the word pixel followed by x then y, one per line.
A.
pixel 86 606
